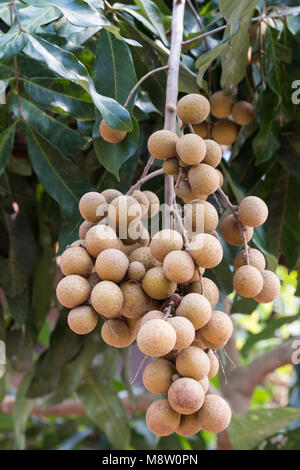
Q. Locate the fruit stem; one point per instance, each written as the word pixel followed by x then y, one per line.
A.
pixel 145 179
pixel 141 80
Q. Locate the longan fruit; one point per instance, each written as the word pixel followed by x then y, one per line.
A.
pixel 178 266
pixel 136 302
pixel 84 228
pixel 107 299
pixel 171 356
pixel 92 206
pixel 154 203
pixel 142 200
pixel 151 315
pixel 206 250
pixel 248 281
pixel 215 414
pixel 231 231
pixel 253 211
pixel 111 265
pixel 161 419
pixel 214 364
pixel 201 216
pixel 185 331
pixel 224 132
pixel 116 333
pixel 203 179
pixel 256 259
pixel 191 149
pixel 82 320
pixel 271 287
pixel 192 362
pixel 76 260
pixel 186 396
pixel 144 256
pixel 73 290
pixel 204 383
pixel 99 238
pixel 196 308
pixel 110 135
pixel 221 178
pixel 218 329
pixel 183 190
pixel 162 144
pixel 188 426
pixel 171 167
pixel 136 271
pixel 111 194
pixel 157 285
pixel 133 325
pixel 123 210
pixel 201 129
pixel 221 104
pixel 203 343
pixel 208 288
pixel 243 113
pixel 80 243
pixel 156 338
pixel 193 108
pixel 213 154
pixel 164 242
pixel 157 376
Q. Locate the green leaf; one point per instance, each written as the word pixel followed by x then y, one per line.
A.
pixel 68 234
pixel 289 154
pixel 235 10
pixel 153 13
pixel 205 60
pixel 22 408
pixel 6 145
pixel 276 55
pixel 11 44
pixel 243 305
pixel 32 17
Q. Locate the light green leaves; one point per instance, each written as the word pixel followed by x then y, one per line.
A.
pixel 205 60
pixel 235 10
pixel 11 44
pixel 6 144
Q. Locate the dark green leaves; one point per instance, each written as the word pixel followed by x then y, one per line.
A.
pixel 11 44
pixel 6 144
pixel 235 10
pixel 276 54
pixel 205 60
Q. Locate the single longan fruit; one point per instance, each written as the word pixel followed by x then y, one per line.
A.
pixel 116 333
pixel 192 362
pixel 142 200
pixel 136 302
pixel 110 135
pixel 157 285
pixel 253 211
pixel 243 113
pixel 193 108
pixel 82 320
pixel 92 206
pixel 133 325
pixel 161 419
pixel 84 228
pixel 76 260
pixel 154 203
pixel 191 149
pixel 206 250
pixel 72 291
pixel 157 376
pixel 164 242
pixel 204 344
pixel 156 338
pixel 183 190
pixel 196 308
pixel 224 132
pixel 144 256
pixel 111 194
pixel 214 364
pixel 204 383
pixel 171 167
pixel 123 210
pixel 178 266
pixel 213 154
pixel 221 178
pixel 203 179
pixel 136 271
pixel 185 331
pixel 201 129
pixel 111 265
pixel 208 288
pixel 162 144
pixel 186 396
pixel 256 259
pixel 99 238
pixel 215 414
pixel 93 279
pixel 189 425
pixel 151 315
pixel 107 299
pixel 271 287
pixel 221 104
pixel 218 329
pixel 201 216
pixel 80 243
pixel 231 231
pixel 248 281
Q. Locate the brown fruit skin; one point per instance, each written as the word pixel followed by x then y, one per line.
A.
pixel 92 206
pixel 206 250
pixel 214 364
pixel 82 320
pixel 208 288
pixel 156 338
pixel 136 302
pixel 162 144
pixel 204 383
pixel 157 376
pixel 219 328
pixel 122 211
pixel 221 104
pixel 76 260
pixel 193 362
pixel 204 344
pixel 201 129
pixel 144 256
pixel 203 179
pixel 188 426
pixel 136 271
pixel 161 419
pixel 221 178
pixel 243 113
pixel 154 203
pixel 196 308
pixel 253 211
pixel 107 299
pixel 111 265
pixel 186 396
pixel 84 228
pixel 230 231
pixel 116 333
pixel 213 155
pixel 193 108
pixel 191 149
pixel 72 291
pixel 151 315
pixel 248 281
pixel 185 331
pixel 157 285
pixel 110 135
pixel 142 200
pixel 271 287
pixel 224 132
pixel 178 266
pixel 171 167
pixel 99 238
pixel 201 216
pixel 215 414
pixel 256 259
pixel 111 194
pixel 164 242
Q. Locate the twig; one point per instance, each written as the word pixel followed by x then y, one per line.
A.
pixel 141 80
pixel 145 179
pixel 198 19
pixel 139 369
pixel 147 168
pixel 17 16
pixel 191 129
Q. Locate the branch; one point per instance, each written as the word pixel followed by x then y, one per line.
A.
pixel 138 84
pixel 144 179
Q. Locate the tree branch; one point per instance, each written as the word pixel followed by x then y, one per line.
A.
pixel 141 80
pixel 144 179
